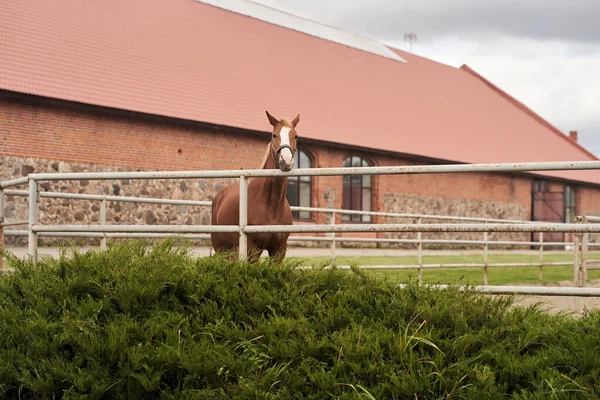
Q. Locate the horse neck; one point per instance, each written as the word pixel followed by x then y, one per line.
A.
pixel 274 187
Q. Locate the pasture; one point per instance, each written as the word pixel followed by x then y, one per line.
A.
pixel 472 276
pixel 156 322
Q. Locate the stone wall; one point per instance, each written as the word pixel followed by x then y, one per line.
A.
pixel 420 204
pixel 327 192
pixel 61 211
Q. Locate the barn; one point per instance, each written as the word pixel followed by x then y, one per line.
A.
pixel 184 85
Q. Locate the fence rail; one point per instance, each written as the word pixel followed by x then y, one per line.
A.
pixel 103 230
pixel 397 170
pixel 541 291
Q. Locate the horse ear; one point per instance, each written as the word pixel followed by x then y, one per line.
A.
pixel 274 121
pixel 296 120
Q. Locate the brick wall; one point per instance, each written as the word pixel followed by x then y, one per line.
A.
pixel 57 133
pixel 39 137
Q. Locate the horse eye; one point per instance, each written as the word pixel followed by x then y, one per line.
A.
pixel 274 136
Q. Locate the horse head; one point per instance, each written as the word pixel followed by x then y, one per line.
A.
pixel 283 141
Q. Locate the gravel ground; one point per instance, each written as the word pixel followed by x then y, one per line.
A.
pixel 576 306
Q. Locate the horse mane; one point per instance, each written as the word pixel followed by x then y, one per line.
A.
pixel 263 163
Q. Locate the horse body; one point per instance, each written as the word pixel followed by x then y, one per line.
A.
pixel 267 201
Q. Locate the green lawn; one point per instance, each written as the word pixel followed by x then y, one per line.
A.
pixel 496 275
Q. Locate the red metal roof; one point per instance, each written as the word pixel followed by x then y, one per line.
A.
pixel 186 59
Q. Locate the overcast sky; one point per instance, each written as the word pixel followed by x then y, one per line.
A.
pixel 546 53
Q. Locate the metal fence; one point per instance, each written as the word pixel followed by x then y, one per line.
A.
pixel 483 225
pixel 484 244
pixel 582 241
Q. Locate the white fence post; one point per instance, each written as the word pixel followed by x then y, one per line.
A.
pixel 33 220
pixel 103 222
pixel 420 253
pixel 333 244
pixel 541 256
pixel 576 265
pixel 243 243
pixel 485 258
pixel 584 257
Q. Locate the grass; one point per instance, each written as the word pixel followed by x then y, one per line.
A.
pixel 157 323
pixel 472 276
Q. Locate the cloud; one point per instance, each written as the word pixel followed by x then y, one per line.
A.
pixel 570 20
pixel 544 53
pixel 558 83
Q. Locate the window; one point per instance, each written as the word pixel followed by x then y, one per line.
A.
pixel 570 203
pixel 357 191
pixel 299 190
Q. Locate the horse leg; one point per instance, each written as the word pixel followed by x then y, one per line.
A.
pixel 254 252
pixel 278 251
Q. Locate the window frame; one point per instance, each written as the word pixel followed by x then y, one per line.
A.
pixel 570 203
pixel 347 190
pixel 302 181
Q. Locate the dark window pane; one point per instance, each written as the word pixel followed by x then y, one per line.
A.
pixel 292 192
pixel 346 197
pixel 355 198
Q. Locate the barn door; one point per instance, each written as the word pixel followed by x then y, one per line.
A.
pixel 547 206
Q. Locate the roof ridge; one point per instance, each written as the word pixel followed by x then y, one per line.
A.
pixel 340 36
pixel 526 110
pixel 404 53
pixel 290 13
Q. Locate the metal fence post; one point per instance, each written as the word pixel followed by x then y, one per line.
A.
pixel 333 241
pixel 576 250
pixel 1 227
pixel 103 222
pixel 420 252
pixel 584 257
pixel 485 258
pixel 541 256
pixel 33 219
pixel 243 243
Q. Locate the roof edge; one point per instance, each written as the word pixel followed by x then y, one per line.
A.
pixel 418 159
pixel 526 109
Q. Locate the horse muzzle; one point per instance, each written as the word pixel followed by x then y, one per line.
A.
pixel 284 166
pixel 285 162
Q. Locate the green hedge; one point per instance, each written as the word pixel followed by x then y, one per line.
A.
pixel 154 322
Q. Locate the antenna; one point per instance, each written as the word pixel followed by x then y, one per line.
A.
pixel 410 37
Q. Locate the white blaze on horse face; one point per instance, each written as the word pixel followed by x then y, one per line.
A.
pixel 286 154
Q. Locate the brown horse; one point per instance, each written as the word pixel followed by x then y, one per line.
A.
pixel 267 202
